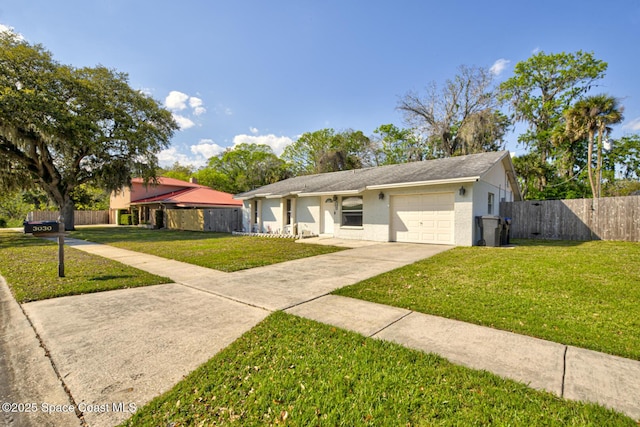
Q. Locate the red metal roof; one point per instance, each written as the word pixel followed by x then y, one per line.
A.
pixel 191 195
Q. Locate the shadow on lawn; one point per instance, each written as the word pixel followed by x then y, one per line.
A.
pixel 110 277
pixel 118 234
pixel 547 243
pixel 11 239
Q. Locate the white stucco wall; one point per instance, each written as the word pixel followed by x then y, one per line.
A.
pixel 271 215
pixel 375 216
pixel 497 179
pixel 308 214
pixel 246 215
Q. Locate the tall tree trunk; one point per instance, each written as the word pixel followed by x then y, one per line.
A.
pixel 599 163
pixel 590 163
pixel 67 212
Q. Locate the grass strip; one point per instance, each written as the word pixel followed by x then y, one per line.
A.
pixel 585 294
pixel 30 266
pixel 219 251
pixel 289 370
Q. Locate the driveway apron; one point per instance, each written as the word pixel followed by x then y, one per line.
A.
pixel 117 350
pixel 280 286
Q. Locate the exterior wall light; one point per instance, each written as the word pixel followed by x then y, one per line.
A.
pixel 461 191
pixel 381 196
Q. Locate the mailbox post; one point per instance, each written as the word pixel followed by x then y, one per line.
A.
pixel 49 229
pixel 60 246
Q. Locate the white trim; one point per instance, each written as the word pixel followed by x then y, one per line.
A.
pixel 423 183
pixel 333 193
pixel 255 196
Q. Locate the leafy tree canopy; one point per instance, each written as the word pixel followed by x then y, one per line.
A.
pixel 625 154
pixel 177 171
pixel 395 145
pixel 543 87
pixel 326 150
pixel 242 168
pixel 61 126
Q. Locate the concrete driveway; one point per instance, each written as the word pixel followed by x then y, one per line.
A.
pixel 116 350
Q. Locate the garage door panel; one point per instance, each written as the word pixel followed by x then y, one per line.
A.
pixel 423 218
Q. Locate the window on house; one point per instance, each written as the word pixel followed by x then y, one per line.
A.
pixel 491 203
pixel 255 211
pixel 288 212
pixel 352 211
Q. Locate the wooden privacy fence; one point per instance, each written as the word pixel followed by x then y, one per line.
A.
pixel 79 217
pixel 221 220
pixel 609 218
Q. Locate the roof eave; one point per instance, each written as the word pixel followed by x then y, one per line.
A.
pixel 465 179
pixel 332 193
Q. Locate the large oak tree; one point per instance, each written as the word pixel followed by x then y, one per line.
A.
pixel 62 126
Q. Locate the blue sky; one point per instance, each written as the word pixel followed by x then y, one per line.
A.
pixel 268 71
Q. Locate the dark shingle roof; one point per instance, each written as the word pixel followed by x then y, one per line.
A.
pixel 472 166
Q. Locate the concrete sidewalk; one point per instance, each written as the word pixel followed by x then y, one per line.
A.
pixel 127 346
pixel 570 372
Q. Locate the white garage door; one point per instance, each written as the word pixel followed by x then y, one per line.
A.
pixel 423 218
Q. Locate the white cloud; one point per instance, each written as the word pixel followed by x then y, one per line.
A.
pixel 536 50
pixel 253 130
pixel 202 151
pixel 277 143
pixel 499 66
pixel 183 122
pixel 176 101
pixel 633 125
pixel 207 148
pixel 196 104
pixel 8 29
pixel 168 157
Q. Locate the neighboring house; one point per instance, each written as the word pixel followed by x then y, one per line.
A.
pixel 433 201
pixel 168 193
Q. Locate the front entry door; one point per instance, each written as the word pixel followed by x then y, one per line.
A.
pixel 327 217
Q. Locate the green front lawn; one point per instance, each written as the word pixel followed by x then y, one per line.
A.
pixel 292 371
pixel 585 294
pixel 30 267
pixel 219 251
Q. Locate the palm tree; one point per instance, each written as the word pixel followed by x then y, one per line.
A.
pixel 610 114
pixel 588 117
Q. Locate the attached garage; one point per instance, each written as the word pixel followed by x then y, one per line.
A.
pixel 423 218
pixel 432 201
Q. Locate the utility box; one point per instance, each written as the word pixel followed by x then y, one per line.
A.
pixel 41 227
pixel 490 229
